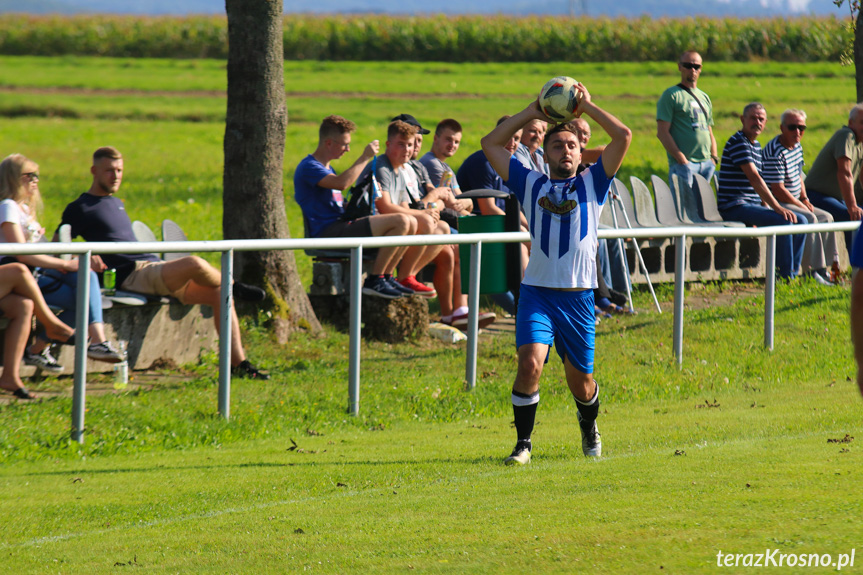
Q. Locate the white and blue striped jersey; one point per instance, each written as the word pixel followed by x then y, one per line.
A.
pixel 783 166
pixel 562 216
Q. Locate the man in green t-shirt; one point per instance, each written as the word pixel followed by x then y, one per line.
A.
pixel 833 183
pixel 684 116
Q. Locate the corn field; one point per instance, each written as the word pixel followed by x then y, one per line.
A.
pixel 439 38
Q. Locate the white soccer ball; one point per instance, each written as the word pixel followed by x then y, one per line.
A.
pixel 559 99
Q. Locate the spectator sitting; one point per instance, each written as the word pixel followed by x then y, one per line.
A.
pixel 99 216
pixel 833 181
pixel 476 173
pixel 318 191
pixel 742 190
pixel 19 299
pixel 447 139
pixel 783 170
pixel 529 151
pixel 19 201
pixel 454 310
pixel 611 270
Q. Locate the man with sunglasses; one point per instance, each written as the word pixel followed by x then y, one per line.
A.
pixel 833 180
pixel 783 172
pixel 684 116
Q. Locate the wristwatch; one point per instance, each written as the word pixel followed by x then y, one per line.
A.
pixel 715 158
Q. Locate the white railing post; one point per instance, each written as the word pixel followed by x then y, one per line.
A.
pixel 355 316
pixel 473 314
pixel 82 316
pixel 769 291
pixel 226 299
pixel 679 285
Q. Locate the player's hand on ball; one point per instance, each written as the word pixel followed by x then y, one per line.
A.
pixel 583 97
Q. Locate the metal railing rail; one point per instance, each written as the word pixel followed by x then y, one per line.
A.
pixel 227 248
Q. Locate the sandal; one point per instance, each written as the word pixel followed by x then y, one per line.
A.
pixel 20 393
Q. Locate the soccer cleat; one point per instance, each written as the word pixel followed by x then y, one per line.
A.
pixel 520 454
pixel 418 287
pixel 393 283
pixel 104 352
pixel 43 360
pixel 246 370
pixel 378 287
pixel 591 441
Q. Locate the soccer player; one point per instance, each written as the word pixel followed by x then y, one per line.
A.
pixel 556 300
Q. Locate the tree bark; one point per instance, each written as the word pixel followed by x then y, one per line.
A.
pixel 858 54
pixel 253 199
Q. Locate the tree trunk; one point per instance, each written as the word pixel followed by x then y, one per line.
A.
pixel 253 199
pixel 858 54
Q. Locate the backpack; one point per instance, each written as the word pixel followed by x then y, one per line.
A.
pixel 363 195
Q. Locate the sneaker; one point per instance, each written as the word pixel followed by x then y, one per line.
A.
pixel 484 319
pixel 104 352
pixel 520 454
pixel 418 287
pixel 246 292
pixel 591 441
pixel 391 281
pixel 43 360
pixel 820 279
pixel 378 287
pixel 247 370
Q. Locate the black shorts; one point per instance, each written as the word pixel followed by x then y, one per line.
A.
pixel 359 228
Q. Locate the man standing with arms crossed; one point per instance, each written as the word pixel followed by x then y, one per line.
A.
pixel 556 300
pixel 684 116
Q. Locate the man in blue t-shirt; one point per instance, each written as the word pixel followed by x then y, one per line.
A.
pixel 742 190
pixel 318 191
pixel 99 216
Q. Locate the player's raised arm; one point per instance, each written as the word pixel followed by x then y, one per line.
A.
pixel 494 144
pixel 621 136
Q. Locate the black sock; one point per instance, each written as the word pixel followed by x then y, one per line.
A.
pixel 524 410
pixel 589 410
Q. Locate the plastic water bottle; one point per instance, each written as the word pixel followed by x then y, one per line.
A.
pixel 109 281
pixel 121 370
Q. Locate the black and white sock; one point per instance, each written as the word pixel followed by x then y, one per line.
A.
pixel 589 410
pixel 524 410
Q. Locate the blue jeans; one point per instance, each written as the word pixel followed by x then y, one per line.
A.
pixel 789 249
pixel 59 290
pixel 686 172
pixel 836 208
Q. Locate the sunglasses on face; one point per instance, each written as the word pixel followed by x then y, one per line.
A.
pixel 691 66
pixel 32 176
pixel 794 127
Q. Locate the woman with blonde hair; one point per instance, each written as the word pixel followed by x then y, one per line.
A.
pixel 19 202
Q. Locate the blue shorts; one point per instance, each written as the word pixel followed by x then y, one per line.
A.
pixel 565 319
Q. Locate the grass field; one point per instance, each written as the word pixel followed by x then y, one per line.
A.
pixel 730 452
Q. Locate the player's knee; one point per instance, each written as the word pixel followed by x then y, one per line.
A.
pixel 26 307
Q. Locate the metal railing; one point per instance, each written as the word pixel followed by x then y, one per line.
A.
pixel 227 248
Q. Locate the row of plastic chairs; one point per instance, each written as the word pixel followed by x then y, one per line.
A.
pixel 681 207
pixel 171 232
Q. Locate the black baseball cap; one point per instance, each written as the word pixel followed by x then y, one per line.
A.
pixel 408 119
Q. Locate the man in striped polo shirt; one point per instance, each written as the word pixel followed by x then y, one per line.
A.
pixel 742 190
pixel 555 305
pixel 783 171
